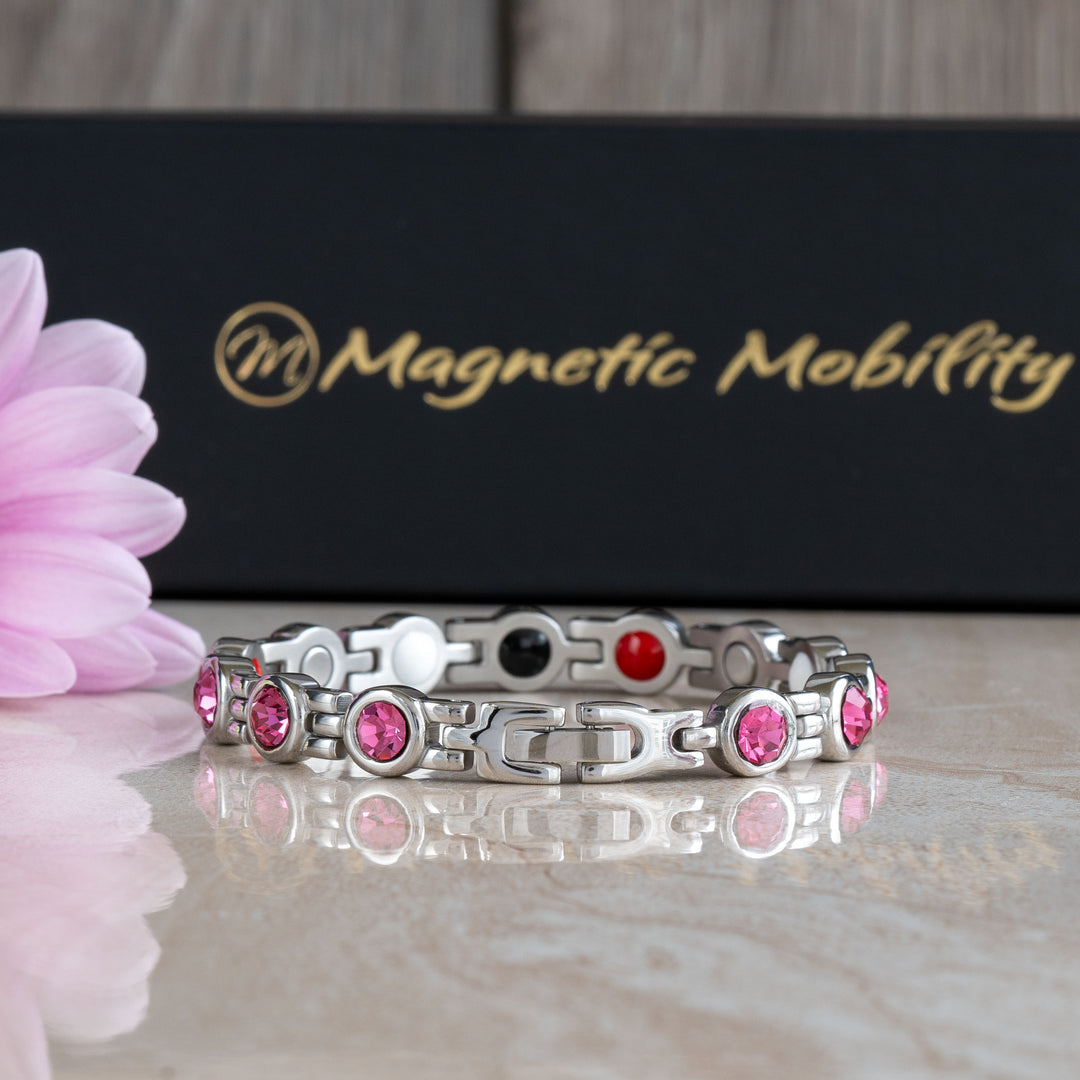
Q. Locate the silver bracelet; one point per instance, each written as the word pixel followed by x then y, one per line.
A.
pixel 363 692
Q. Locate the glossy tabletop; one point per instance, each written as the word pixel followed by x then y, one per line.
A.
pixel 177 911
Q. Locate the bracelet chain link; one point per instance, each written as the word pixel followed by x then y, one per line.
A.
pixel 801 692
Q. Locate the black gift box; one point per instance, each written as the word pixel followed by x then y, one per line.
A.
pixel 699 362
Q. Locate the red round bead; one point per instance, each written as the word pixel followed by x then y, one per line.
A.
pixel 639 655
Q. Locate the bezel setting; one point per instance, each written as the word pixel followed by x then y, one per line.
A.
pixel 233 674
pixel 410 702
pixel 834 746
pixel 291 748
pixel 726 712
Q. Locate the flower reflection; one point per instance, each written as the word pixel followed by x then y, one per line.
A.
pixel 402 822
pixel 81 868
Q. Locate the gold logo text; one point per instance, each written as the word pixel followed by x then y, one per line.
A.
pixel 977 350
pixel 267 355
pixel 247 353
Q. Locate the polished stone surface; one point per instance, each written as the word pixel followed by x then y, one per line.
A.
pixel 172 910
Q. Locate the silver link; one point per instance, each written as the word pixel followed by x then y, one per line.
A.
pixel 807 750
pixel 407 650
pixel 810 726
pixel 697 738
pixel 316 651
pixel 327 749
pixel 397 649
pixel 655 731
pixel 573 745
pixel 757 653
pixel 485 635
pixel 604 670
pixel 329 702
pixel 487 740
pixel 742 654
pixel 807 656
pixel 810 713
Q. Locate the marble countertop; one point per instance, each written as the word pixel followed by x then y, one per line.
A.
pixel 186 912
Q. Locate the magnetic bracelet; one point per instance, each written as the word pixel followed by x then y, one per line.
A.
pixel 363 692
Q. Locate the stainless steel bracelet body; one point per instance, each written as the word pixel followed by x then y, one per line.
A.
pixel 364 692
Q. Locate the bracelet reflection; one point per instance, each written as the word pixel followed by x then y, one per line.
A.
pixel 402 822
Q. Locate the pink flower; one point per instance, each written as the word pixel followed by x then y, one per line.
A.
pixel 74 598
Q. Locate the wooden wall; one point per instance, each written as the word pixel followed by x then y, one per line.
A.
pixel 870 57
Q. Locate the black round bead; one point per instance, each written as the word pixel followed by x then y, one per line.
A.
pixel 525 652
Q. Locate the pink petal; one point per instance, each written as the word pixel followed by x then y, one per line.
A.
pixel 136 513
pixel 80 425
pixel 112 661
pixel 177 648
pixel 68 586
pixel 86 352
pixel 22 311
pixel 32 666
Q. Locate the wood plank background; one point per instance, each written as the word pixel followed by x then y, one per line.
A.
pixel 260 54
pixel 868 57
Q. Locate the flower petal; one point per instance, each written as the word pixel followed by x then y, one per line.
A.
pixel 177 648
pixel 31 666
pixel 85 352
pixel 22 311
pixel 75 425
pixel 68 586
pixel 112 661
pixel 136 513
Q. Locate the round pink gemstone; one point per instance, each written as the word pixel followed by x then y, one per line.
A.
pixel 881 696
pixel 382 731
pixel 761 734
pixel 269 717
pixel 854 807
pixel 269 813
pixel 856 716
pixel 760 821
pixel 381 824
pixel 205 693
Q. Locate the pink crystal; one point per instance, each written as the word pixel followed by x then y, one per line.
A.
pixel 382 731
pixel 761 734
pixel 381 824
pixel 205 693
pixel 760 821
pixel 269 717
pixel 881 696
pixel 856 716
pixel 854 807
pixel 269 812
